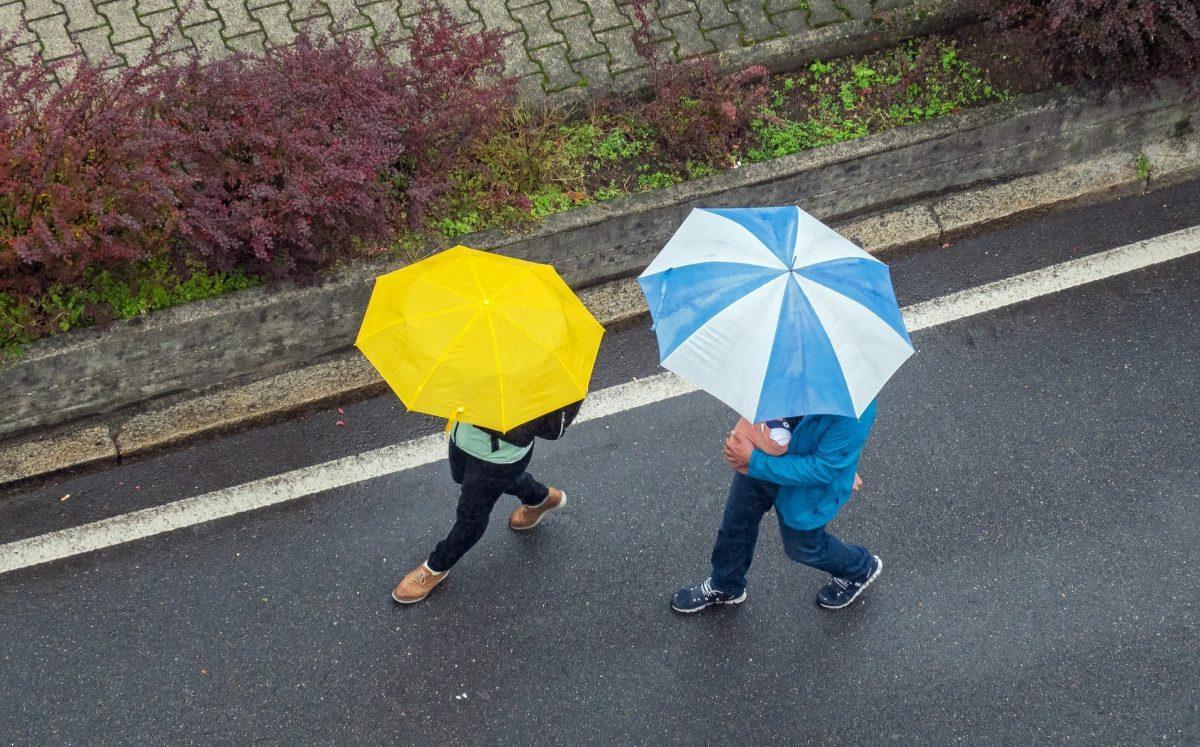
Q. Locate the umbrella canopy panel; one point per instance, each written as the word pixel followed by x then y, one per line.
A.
pixel 480 337
pixel 774 313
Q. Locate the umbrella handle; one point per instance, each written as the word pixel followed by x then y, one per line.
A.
pixel 453 419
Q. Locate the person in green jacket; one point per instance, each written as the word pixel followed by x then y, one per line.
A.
pixel 807 487
pixel 488 464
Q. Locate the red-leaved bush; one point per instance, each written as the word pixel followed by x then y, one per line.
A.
pixel 1113 41
pixel 84 181
pixel 296 158
pixel 697 112
pixel 276 166
pixel 286 157
pixel 456 94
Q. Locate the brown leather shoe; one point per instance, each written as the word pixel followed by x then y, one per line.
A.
pixel 527 517
pixel 417 585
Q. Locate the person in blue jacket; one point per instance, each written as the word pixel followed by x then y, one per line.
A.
pixel 806 486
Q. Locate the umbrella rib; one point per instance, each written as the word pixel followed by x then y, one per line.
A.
pixel 547 350
pixel 495 342
pixel 443 286
pixel 496 359
pixel 429 315
pixel 442 355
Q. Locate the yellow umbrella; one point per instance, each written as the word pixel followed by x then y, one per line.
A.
pixel 479 337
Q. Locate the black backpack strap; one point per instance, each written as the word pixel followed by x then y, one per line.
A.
pixel 495 444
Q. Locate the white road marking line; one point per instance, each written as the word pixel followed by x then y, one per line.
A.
pixel 338 473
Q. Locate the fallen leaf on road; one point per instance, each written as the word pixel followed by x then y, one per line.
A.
pixel 68 495
pixel 203 671
pixel 946 245
pixel 340 422
pixel 341 411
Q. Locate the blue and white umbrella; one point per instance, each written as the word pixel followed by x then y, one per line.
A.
pixel 775 314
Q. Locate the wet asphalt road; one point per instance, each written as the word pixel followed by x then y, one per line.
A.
pixel 1032 485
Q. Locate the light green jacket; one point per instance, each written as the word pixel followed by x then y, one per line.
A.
pixel 479 445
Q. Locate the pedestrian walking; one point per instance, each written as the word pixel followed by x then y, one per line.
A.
pixel 806 486
pixel 501 348
pixel 488 464
pixel 797 329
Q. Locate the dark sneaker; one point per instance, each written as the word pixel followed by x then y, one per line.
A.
pixel 695 598
pixel 839 592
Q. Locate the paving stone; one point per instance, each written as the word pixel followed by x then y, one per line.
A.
pixel 725 38
pixel 196 13
pixel 81 15
pixel 714 14
pixel 52 34
pixel 134 51
pixel 146 7
pixel 460 10
pixel 621 52
pixel 825 13
pixel 123 21
pixel 792 22
pixel 539 33
pixel 97 47
pixel 178 56
pixel 774 7
pixel 252 44
pixel 494 15
pixel 11 22
pixel 606 15
pixel 275 23
pixel 317 27
pixel 881 6
pixel 235 19
pixel 689 42
pixel 163 27
pixel 363 35
pixel 754 19
pixel 668 8
pixel 385 19
pixel 595 71
pixel 531 87
pixel 346 15
pixel 581 43
pixel 299 10
pixel 38 9
pixel 566 9
pixel 556 69
pixel 629 80
pixel 516 60
pixel 858 9
pixel 207 39
pixel 25 54
pixel 658 32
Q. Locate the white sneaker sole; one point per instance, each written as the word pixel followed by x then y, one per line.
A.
pixel 542 515
pixel 735 601
pixel 857 594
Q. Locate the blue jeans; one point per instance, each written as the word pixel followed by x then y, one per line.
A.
pixel 749 500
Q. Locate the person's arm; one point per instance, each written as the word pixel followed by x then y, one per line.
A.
pixel 837 449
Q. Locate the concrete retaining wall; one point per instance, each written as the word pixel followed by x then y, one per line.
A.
pixel 261 332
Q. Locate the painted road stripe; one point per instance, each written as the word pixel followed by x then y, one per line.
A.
pixel 318 478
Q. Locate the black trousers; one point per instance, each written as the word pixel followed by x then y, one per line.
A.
pixel 482 485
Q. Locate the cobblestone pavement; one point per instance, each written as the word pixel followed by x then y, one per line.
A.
pixel 553 45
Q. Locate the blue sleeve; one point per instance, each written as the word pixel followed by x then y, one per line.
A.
pixel 838 448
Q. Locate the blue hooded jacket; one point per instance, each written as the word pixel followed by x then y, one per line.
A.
pixel 816 476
